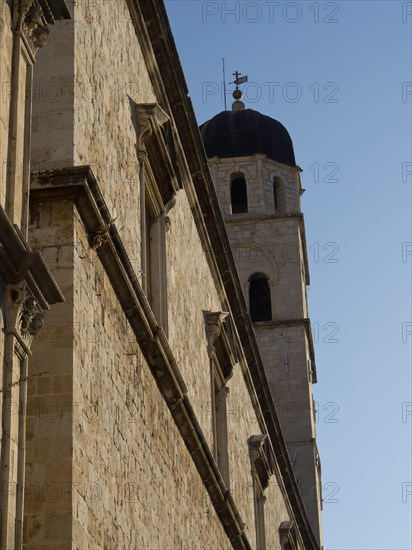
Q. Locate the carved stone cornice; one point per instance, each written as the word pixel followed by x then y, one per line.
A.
pixel 33 18
pixel 25 314
pixel 155 139
pixel 34 26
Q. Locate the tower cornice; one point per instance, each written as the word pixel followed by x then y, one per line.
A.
pixel 253 158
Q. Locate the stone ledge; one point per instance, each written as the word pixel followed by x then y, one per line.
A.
pixel 251 217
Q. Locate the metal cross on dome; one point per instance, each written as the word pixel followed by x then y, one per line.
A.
pixel 239 79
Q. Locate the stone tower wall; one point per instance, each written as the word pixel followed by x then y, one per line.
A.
pixel 271 246
pixel 259 174
pixel 270 242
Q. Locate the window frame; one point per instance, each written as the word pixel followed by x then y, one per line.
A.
pixel 154 267
pixel 253 306
pixel 159 181
pixel 223 356
pixel 245 203
pixel 278 193
pixel 262 467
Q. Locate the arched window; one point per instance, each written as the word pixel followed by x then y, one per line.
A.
pixel 238 195
pixel 259 299
pixel 277 183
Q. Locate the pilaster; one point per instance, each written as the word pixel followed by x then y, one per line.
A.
pixel 28 289
pixel 30 20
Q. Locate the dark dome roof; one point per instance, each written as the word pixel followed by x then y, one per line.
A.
pixel 245 133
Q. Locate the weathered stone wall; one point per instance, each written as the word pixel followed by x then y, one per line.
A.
pixel 50 407
pixel 191 291
pixel 135 485
pixel 274 512
pixel 119 405
pixel 285 352
pixel 54 88
pixel 304 456
pixel 111 75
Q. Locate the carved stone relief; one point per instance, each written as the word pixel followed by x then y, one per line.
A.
pixel 25 317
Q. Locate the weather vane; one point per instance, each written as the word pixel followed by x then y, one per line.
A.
pixel 237 94
pixel 239 79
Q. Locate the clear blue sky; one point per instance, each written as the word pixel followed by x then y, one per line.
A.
pixel 333 74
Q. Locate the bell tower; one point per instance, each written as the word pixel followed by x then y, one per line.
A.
pixel 258 184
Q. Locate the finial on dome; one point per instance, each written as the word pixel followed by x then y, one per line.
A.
pixel 237 94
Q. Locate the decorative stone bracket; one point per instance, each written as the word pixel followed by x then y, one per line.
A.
pixel 31 287
pixel 220 342
pixel 287 534
pixel 33 18
pixel 25 314
pixel 214 328
pixel 155 146
pixel 261 459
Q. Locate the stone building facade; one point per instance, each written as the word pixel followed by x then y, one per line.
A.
pixel 136 411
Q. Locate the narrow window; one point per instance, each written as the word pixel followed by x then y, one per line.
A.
pixel 219 420
pixel 238 195
pixel 259 299
pixel 154 258
pixel 262 468
pixel 276 193
pixel 218 331
pixel 148 251
pixel 159 182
